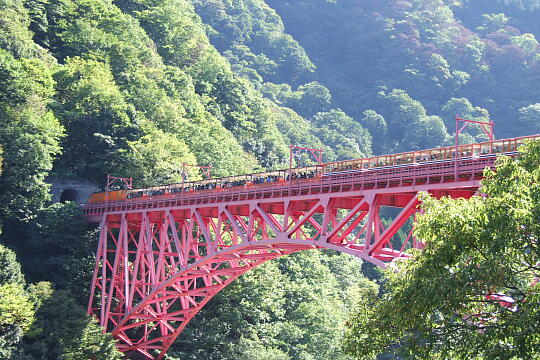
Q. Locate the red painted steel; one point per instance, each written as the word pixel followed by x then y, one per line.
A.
pixel 294 151
pixel 161 259
pixel 205 170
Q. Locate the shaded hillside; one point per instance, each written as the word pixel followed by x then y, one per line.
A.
pixel 373 47
pixel 411 65
pixel 252 37
pixel 134 88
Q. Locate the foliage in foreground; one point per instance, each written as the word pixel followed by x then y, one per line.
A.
pixel 37 322
pixel 438 304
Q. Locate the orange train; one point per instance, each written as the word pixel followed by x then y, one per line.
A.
pixel 337 168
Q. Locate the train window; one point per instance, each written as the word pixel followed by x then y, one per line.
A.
pixel 498 147
pixel 513 146
pixel 465 150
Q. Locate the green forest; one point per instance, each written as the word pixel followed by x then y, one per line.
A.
pixel 136 88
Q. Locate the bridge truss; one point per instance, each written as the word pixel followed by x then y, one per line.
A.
pixel 160 260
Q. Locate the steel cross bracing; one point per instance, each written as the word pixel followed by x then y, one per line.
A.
pixel 159 261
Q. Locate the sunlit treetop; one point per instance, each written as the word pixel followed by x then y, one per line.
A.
pixel 447 300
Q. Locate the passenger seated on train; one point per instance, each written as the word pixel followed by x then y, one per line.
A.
pixel 155 192
pixel 134 195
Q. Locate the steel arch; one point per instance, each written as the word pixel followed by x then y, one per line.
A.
pixel 157 267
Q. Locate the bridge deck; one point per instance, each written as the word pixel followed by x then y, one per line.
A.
pixel 389 178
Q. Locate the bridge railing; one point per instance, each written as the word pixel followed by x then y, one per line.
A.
pixel 444 153
pixel 391 177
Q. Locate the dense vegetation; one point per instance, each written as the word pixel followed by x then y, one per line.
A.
pixel 399 68
pixel 445 302
pixel 135 88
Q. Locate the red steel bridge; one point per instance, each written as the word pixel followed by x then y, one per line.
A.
pixel 161 258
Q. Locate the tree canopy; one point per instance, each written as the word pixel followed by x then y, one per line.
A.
pixel 136 88
pixel 472 292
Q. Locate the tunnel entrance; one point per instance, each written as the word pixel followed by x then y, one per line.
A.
pixel 69 195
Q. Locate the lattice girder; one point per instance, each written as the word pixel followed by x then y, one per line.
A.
pixel 156 268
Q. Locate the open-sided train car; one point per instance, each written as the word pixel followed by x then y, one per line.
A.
pixel 336 168
pixel 246 181
pixel 426 156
